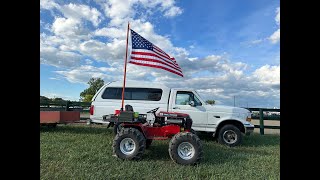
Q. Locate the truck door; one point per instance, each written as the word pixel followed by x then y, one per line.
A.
pixel 181 103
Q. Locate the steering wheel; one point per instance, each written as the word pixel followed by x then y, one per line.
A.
pixel 153 110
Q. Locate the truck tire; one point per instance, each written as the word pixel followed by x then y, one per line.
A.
pixel 129 144
pixel 186 149
pixel 229 135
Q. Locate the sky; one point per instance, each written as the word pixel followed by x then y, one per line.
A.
pixel 228 50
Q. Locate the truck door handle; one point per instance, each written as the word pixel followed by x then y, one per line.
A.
pixel 176 108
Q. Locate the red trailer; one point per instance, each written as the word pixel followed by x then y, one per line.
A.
pixel 52 118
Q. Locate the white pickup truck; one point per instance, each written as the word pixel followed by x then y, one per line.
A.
pixel 224 122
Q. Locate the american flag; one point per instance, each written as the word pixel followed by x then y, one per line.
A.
pixel 144 53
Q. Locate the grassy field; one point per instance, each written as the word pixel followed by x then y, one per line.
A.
pixel 85 152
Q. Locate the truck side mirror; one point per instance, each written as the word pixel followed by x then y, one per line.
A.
pixel 191 103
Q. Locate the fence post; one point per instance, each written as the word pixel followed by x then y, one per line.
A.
pixel 261 121
pixel 67 105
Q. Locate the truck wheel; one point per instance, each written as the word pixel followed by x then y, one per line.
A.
pixel 148 143
pixel 186 149
pixel 129 144
pixel 229 135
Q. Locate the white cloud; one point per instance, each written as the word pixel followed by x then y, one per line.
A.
pixel 79 12
pixel 108 52
pixel 277 18
pixel 88 61
pixel 256 41
pixel 268 74
pixel 193 58
pixel 119 9
pixel 59 59
pixel 74 11
pixel 48 4
pixel 173 11
pixel 122 11
pixel 275 37
pixel 111 32
pixel 166 6
pixel 53 78
pixel 67 27
pixel 51 54
pixel 83 73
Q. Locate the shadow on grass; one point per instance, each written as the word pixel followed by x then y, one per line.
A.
pixel 78 129
pixel 214 153
pixel 157 152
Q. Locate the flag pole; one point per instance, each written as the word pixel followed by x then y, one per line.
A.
pixel 125 69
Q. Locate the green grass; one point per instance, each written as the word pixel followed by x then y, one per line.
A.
pixel 85 152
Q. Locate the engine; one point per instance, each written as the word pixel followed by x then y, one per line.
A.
pixel 181 119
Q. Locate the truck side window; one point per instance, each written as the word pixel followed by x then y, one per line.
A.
pixel 184 98
pixel 145 94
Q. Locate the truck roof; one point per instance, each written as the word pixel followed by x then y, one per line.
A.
pixel 138 84
pixel 183 89
pixel 145 84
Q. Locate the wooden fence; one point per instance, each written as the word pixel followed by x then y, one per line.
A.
pixel 261 116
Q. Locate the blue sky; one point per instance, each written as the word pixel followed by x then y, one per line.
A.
pixel 225 48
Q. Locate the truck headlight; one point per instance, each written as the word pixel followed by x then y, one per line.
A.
pixel 248 119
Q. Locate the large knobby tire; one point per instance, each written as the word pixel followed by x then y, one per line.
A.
pixel 229 135
pixel 186 149
pixel 129 144
pixel 193 132
pixel 117 128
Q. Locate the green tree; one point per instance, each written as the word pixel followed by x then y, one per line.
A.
pixel 94 85
pixel 58 100
pixel 87 98
pixel 44 99
pixel 210 101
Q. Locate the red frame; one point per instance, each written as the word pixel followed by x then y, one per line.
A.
pixel 156 133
